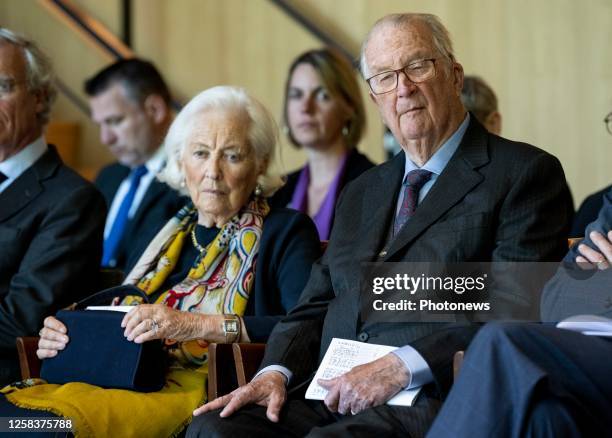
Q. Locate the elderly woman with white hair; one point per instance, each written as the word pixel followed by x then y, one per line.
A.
pixel 224 269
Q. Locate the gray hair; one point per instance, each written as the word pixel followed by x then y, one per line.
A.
pixel 440 34
pixel 478 97
pixel 262 133
pixel 39 70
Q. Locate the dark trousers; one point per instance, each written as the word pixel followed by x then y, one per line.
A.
pixel 311 418
pixel 530 380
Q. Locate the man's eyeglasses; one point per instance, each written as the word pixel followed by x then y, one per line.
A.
pixel 608 122
pixel 417 72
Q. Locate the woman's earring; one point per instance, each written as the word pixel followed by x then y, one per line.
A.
pixel 258 190
pixel 285 129
pixel 345 131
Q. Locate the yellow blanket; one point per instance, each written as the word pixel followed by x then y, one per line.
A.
pixel 98 412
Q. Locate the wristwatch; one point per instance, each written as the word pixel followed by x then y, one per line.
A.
pixel 231 328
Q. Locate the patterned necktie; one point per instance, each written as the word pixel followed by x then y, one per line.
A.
pixel 118 229
pixel 414 182
pixel 3 177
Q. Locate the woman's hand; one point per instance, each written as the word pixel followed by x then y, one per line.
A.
pixel 53 338
pixel 157 321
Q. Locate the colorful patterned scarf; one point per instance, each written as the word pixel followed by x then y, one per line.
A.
pixel 220 279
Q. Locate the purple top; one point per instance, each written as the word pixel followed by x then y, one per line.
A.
pixel 324 216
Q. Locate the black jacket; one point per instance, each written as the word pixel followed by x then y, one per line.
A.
pixel 158 205
pixel 496 200
pixel 51 225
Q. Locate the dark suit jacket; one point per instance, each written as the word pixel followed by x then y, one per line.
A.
pixel 158 205
pixel 588 211
pixel 356 164
pixel 495 200
pixel 51 224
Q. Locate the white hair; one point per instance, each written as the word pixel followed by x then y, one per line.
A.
pixel 39 70
pixel 440 34
pixel 262 133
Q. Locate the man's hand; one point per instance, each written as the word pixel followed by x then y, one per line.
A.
pixel 590 258
pixel 267 389
pixel 367 385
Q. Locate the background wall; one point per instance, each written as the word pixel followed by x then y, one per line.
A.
pixel 548 61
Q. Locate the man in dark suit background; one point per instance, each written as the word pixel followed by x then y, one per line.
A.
pixel 480 197
pixel 51 220
pixel 131 103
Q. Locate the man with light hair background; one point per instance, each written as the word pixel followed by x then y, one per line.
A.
pixel 51 219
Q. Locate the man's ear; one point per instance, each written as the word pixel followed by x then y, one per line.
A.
pixel 458 77
pixel 40 97
pixel 156 108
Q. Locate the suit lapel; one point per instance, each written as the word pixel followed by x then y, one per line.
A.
pixel 381 199
pixel 28 186
pixel 458 179
pixel 153 193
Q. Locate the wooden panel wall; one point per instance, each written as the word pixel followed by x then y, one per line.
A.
pixel 548 60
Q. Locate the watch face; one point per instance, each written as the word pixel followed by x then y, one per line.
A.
pixel 231 326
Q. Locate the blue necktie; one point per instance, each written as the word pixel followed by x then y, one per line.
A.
pixel 415 180
pixel 118 229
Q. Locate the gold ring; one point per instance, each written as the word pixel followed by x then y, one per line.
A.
pixel 602 264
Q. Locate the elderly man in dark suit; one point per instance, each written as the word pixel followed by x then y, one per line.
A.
pixel 457 193
pixel 131 103
pixel 51 220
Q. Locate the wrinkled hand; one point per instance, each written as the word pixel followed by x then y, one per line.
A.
pixel 366 386
pixel 53 338
pixel 267 389
pixel 590 258
pixel 157 321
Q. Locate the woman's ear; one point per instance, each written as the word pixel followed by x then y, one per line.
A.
pixel 262 166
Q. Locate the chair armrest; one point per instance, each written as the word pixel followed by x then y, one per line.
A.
pixel 247 358
pixel 457 362
pixel 29 363
pixel 221 375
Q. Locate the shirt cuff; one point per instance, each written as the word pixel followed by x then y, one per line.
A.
pixel 420 373
pixel 281 369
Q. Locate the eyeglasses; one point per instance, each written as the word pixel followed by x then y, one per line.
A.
pixel 608 122
pixel 417 72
